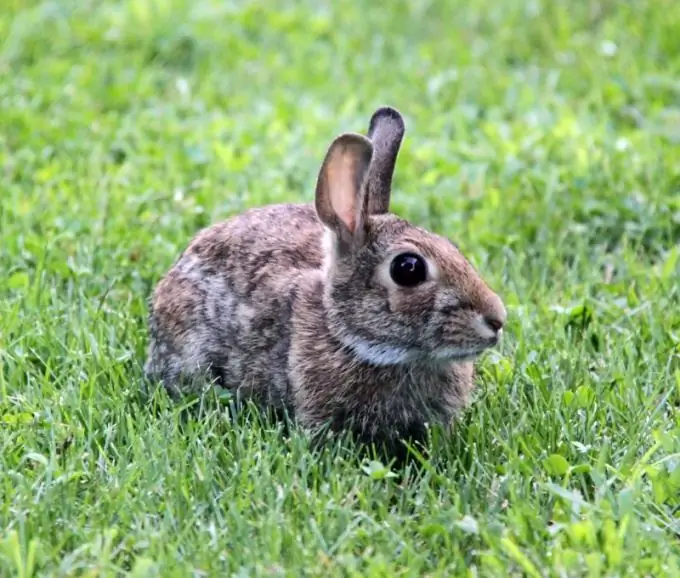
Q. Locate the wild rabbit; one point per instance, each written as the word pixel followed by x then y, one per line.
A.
pixel 338 312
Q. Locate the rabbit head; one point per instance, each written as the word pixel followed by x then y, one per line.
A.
pixel 394 293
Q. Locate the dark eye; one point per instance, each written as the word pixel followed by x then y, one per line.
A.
pixel 408 270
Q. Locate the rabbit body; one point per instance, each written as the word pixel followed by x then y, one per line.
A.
pixel 339 312
pixel 223 311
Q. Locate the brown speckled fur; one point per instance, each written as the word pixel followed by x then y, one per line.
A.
pixel 293 305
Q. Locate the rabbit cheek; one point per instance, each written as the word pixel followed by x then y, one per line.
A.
pixel 410 314
pixel 455 330
pixel 414 303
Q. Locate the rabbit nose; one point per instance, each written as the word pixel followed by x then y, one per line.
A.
pixel 495 314
pixel 495 322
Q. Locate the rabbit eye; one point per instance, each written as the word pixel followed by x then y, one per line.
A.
pixel 408 270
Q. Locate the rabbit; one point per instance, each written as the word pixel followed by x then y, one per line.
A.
pixel 339 312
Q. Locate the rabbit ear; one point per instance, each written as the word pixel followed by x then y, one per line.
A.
pixel 386 131
pixel 341 190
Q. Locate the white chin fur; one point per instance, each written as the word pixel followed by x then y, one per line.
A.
pixel 377 353
pixel 454 354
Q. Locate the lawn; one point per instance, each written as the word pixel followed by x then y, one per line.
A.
pixel 542 137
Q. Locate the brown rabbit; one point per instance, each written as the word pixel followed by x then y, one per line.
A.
pixel 339 312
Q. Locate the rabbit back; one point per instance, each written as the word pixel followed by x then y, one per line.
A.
pixel 223 310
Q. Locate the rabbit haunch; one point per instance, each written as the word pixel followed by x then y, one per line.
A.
pixel 299 306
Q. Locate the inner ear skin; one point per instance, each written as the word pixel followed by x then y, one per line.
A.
pixel 341 190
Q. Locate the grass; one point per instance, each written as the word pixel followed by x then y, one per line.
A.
pixel 542 137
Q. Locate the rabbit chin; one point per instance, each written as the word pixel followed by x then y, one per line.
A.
pixel 377 353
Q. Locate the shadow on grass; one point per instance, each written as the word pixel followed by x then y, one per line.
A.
pixel 423 451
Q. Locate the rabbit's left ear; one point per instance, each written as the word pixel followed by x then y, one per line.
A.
pixel 341 188
pixel 386 131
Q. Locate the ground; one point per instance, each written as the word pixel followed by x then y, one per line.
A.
pixel 543 137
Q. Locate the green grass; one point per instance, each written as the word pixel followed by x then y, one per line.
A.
pixel 543 137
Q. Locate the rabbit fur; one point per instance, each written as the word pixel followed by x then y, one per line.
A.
pixel 295 305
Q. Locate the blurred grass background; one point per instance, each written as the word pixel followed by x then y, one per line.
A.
pixel 542 137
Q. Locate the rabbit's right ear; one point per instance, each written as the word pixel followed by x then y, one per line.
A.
pixel 341 188
pixel 386 131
